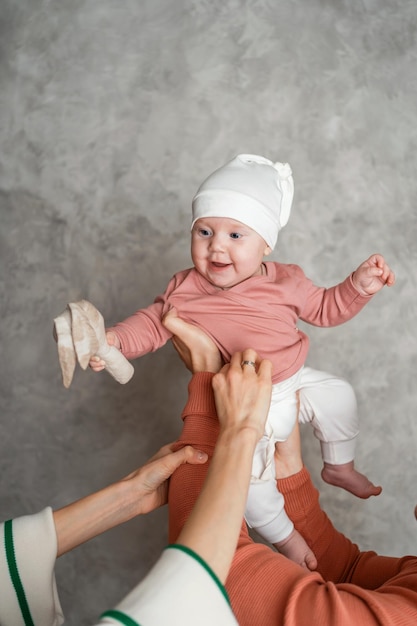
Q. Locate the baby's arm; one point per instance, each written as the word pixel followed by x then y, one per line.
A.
pixel 139 334
pixel 143 332
pixel 372 275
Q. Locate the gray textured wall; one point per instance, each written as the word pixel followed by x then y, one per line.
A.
pixel 111 115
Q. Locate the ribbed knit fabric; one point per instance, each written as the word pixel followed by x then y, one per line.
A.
pixel 350 588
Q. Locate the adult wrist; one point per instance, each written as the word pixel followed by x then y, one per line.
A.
pixel 299 493
pixel 206 362
pixel 128 498
pixel 200 396
pixel 240 435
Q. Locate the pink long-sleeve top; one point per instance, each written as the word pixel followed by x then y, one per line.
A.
pixel 262 313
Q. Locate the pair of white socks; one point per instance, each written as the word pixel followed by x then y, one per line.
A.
pixel 80 335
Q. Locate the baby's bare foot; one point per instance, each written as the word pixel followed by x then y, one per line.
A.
pixel 295 548
pixel 346 477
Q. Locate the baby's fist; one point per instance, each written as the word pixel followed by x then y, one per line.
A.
pixel 372 275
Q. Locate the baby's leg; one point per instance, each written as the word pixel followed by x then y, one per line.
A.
pixel 265 510
pixel 266 514
pixel 265 504
pixel 329 404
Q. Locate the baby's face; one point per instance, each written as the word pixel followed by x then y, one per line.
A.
pixel 226 252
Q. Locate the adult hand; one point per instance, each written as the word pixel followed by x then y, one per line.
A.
pixel 142 491
pixel 151 481
pixel 198 352
pixel 242 392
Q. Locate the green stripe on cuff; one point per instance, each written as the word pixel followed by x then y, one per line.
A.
pixel 120 617
pixel 14 574
pixel 197 557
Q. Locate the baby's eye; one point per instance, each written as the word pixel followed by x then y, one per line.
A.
pixel 235 235
pixel 204 232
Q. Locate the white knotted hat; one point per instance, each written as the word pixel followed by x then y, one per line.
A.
pixel 250 189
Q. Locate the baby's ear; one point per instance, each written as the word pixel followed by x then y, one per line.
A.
pixel 267 250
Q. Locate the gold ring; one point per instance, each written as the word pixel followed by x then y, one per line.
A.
pixel 248 363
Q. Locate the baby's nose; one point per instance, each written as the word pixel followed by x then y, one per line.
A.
pixel 216 243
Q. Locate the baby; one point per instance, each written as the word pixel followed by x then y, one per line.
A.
pixel 240 300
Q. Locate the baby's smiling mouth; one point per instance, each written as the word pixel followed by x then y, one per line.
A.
pixel 215 264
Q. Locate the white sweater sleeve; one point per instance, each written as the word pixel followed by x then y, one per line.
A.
pixel 28 594
pixel 180 590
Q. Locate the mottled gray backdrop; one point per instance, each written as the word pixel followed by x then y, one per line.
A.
pixel 112 113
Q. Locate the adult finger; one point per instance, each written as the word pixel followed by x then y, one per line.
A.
pixel 168 463
pixel 187 454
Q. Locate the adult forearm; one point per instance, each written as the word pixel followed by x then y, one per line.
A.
pixel 213 527
pixel 90 516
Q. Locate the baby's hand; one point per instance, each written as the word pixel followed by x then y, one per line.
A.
pixel 96 363
pixel 372 275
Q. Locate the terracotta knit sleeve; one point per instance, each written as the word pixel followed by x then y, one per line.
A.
pixel 339 559
pixel 265 588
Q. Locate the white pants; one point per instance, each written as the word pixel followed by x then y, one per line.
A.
pixel 326 402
